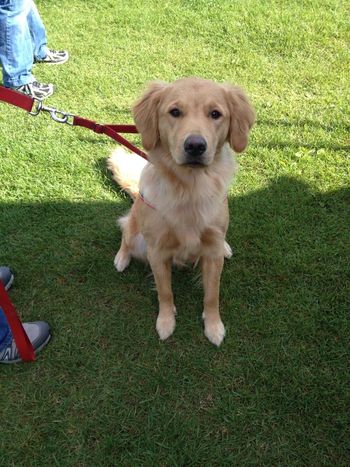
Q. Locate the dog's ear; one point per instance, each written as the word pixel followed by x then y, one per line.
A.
pixel 242 117
pixel 145 113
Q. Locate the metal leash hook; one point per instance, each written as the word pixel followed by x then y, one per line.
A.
pixel 34 106
pixel 57 115
pixel 37 108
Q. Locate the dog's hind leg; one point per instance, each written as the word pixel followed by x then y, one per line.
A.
pixel 227 250
pixel 133 243
pixel 123 257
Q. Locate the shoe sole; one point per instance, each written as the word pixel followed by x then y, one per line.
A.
pixel 51 63
pixel 18 360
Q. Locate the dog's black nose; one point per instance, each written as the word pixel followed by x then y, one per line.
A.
pixel 195 145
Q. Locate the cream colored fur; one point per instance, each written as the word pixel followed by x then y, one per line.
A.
pixel 189 215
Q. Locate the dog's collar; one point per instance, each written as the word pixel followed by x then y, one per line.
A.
pixel 144 200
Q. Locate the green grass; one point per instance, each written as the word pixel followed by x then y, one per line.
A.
pixel 106 391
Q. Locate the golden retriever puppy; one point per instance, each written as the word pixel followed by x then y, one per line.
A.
pixel 180 213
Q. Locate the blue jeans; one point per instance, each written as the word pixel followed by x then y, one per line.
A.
pixel 22 39
pixel 5 332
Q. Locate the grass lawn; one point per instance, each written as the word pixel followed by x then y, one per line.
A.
pixel 106 391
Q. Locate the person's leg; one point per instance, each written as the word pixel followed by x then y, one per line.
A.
pixel 41 52
pixel 38 33
pixel 16 53
pixel 5 332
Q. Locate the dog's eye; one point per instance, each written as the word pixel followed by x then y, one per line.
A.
pixel 215 114
pixel 175 112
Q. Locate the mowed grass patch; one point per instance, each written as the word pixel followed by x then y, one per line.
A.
pixel 106 391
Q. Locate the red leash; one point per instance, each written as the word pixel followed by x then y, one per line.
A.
pixel 24 346
pixel 35 106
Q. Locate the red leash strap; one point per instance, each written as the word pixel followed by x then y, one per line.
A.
pixel 23 343
pixel 112 131
pixel 28 103
pixel 16 98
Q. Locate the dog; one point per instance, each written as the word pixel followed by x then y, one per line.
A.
pixel 189 129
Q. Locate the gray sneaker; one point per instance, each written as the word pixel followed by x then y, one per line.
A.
pixel 39 335
pixel 6 276
pixel 35 89
pixel 54 57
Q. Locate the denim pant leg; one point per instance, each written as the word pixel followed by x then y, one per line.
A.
pixel 38 33
pixel 5 332
pixel 16 50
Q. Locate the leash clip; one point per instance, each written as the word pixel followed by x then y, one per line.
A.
pixel 58 116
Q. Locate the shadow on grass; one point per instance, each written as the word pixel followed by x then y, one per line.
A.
pixel 291 246
pixel 282 370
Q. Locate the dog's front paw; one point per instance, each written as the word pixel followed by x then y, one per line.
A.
pixel 121 260
pixel 214 330
pixel 165 326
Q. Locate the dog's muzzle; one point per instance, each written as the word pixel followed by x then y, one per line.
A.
pixel 195 147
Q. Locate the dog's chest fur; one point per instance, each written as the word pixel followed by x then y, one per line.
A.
pixel 191 216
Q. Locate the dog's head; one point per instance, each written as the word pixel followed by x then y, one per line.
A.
pixel 192 118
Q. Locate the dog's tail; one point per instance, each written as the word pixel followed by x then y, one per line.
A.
pixel 126 168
